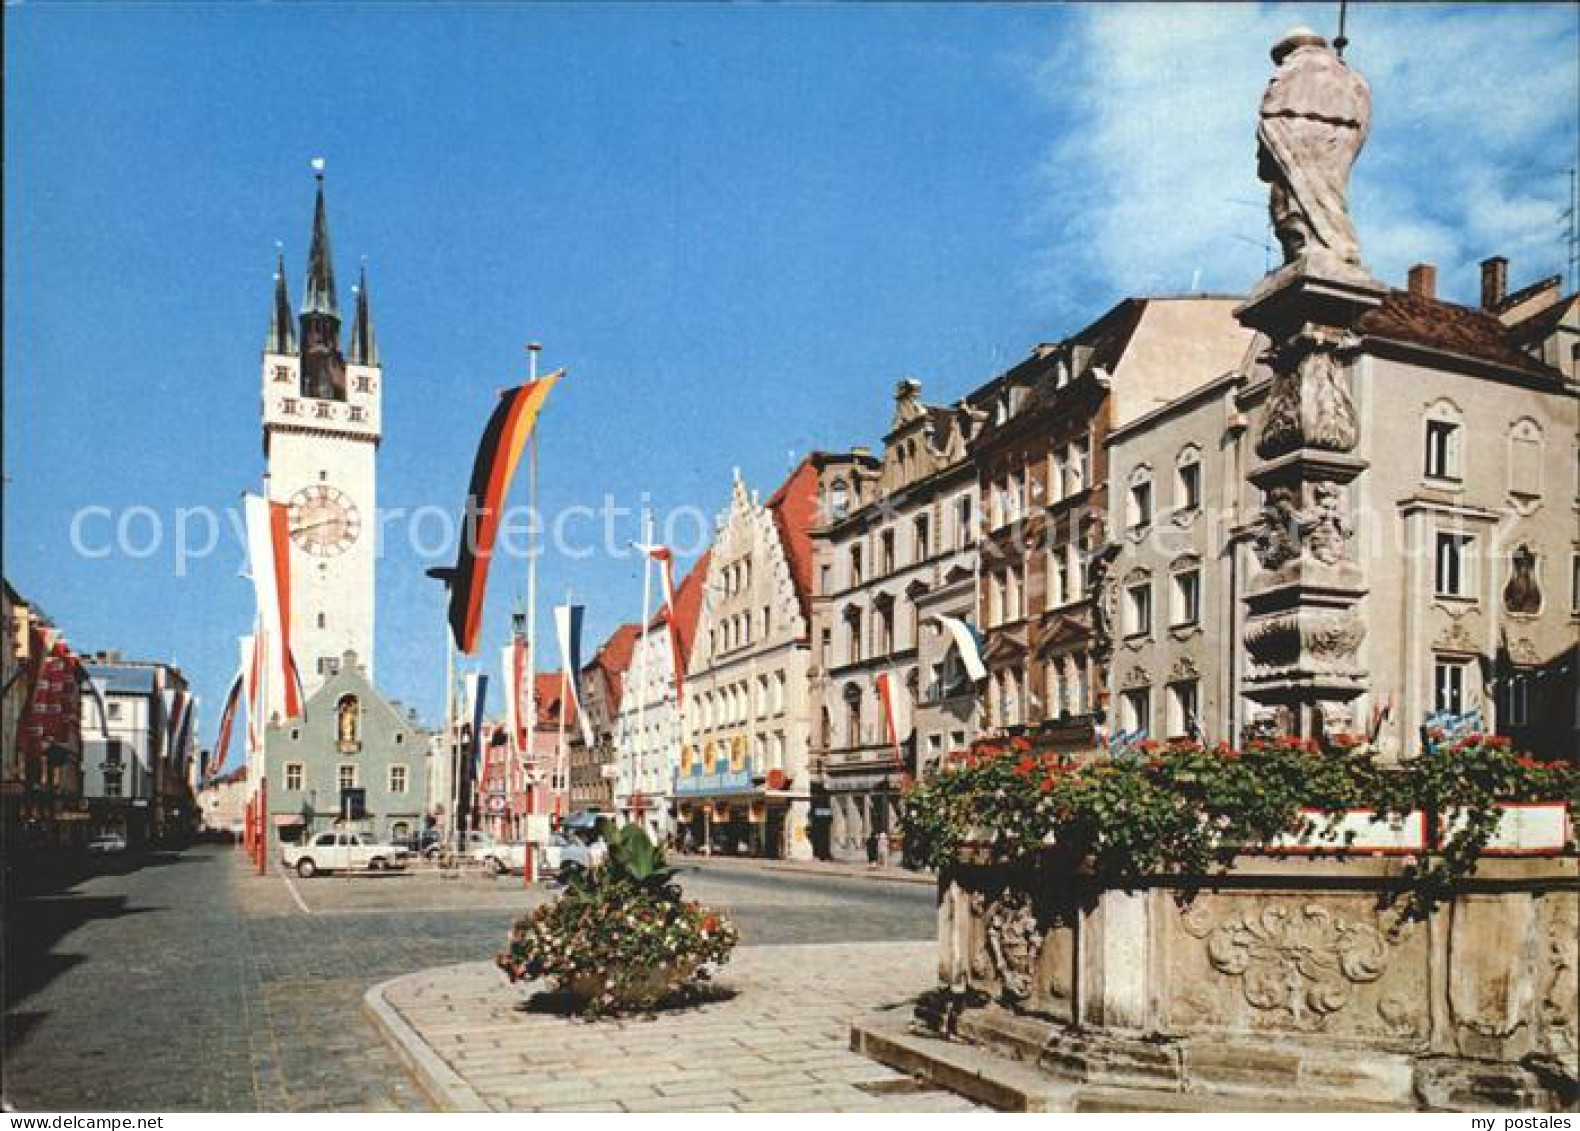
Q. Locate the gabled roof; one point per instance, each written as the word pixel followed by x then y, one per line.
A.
pixel 794 507
pixel 614 659
pixel 547 689
pixel 688 606
pixel 1449 328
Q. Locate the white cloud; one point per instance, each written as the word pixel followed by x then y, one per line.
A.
pixel 1153 182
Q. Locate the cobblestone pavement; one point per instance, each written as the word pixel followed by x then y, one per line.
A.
pixel 183 982
pixel 776 1039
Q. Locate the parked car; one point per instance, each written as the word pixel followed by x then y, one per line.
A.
pixel 107 845
pixel 425 843
pixel 498 856
pixel 340 852
pixel 562 850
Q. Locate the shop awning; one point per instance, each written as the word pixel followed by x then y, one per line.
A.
pixel 287 820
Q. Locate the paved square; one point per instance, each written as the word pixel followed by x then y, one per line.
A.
pixel 780 1042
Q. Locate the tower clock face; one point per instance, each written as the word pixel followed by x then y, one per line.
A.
pixel 323 521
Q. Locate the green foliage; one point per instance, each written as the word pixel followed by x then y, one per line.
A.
pixel 623 927
pixel 1183 809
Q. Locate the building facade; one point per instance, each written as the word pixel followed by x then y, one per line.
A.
pixel 603 685
pixel 135 767
pixel 1042 462
pixel 896 531
pixel 354 760
pixel 1454 528
pixel 744 782
pixel 650 729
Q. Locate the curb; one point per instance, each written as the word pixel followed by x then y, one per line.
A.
pixel 438 1081
pixel 737 864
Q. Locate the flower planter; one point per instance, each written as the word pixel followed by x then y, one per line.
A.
pixel 640 989
pixel 1359 830
pixel 1534 829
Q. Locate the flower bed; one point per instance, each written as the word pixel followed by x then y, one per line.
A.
pixel 621 938
pixel 1182 808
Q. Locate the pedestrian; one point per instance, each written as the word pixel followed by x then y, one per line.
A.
pixel 883 850
pixel 872 850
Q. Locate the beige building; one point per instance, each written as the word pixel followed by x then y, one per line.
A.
pixel 744 783
pixel 897 547
pixel 1459 533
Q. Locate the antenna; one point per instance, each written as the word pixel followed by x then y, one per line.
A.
pixel 1341 41
pixel 1572 215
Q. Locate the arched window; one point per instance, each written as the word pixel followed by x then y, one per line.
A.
pixel 1138 499
pixel 852 714
pixel 1187 479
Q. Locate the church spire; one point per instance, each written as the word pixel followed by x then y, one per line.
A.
pixel 282 326
pixel 320 297
pixel 323 365
pixel 364 349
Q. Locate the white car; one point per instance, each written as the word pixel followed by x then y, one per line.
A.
pixel 107 845
pixel 342 852
pixel 497 856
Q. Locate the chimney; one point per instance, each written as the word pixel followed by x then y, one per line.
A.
pixel 1423 281
pixel 1494 281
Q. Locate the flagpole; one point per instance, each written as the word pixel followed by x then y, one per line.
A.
pixel 565 686
pixel 642 675
pixel 530 723
pixel 451 747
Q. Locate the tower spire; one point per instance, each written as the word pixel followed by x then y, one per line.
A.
pixel 320 297
pixel 282 326
pixel 323 366
pixel 364 348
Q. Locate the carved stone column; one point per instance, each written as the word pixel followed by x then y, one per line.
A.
pixel 1303 625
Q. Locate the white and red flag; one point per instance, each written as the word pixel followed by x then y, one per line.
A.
pixel 898 711
pixel 516 659
pixel 269 560
pixel 665 557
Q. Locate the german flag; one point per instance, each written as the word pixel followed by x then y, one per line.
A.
pixel 497 455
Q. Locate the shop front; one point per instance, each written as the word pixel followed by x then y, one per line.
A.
pixel 722 809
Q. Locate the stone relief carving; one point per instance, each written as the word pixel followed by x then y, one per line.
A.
pixel 1559 1028
pixel 1013 943
pixel 1137 676
pixel 1403 1015
pixel 1522 594
pixel 1184 668
pixel 1309 402
pixel 1312 123
pixel 1323 641
pixel 1324 525
pixel 1304 960
pixel 1456 636
pixel 1274 530
pixel 981 961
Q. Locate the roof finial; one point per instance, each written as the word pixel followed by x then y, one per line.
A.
pixel 282 327
pixel 320 297
pixel 318 167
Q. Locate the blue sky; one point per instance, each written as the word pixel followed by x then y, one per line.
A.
pixel 737 225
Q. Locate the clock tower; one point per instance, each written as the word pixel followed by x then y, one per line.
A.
pixel 321 430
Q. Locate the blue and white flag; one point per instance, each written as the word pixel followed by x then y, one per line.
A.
pixel 568 626
pixel 968 642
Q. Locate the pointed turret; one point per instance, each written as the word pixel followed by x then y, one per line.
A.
pixel 323 366
pixel 320 297
pixel 364 346
pixel 282 326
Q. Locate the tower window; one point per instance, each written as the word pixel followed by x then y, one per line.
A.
pixel 289 406
pixel 323 476
pixel 364 383
pixel 357 413
pixel 282 372
pixel 321 620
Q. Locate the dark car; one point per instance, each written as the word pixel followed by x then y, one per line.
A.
pixel 425 843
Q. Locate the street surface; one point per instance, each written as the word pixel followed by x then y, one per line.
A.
pixel 187 983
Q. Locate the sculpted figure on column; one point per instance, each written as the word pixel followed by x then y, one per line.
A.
pixel 1313 121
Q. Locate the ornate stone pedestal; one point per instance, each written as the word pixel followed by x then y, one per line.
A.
pixel 1285 982
pixel 1304 626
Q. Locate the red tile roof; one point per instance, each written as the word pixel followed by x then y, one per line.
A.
pixel 614 658
pixel 546 688
pixel 1449 328
pixel 794 507
pixel 688 603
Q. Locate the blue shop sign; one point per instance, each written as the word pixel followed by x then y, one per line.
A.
pixel 697 783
